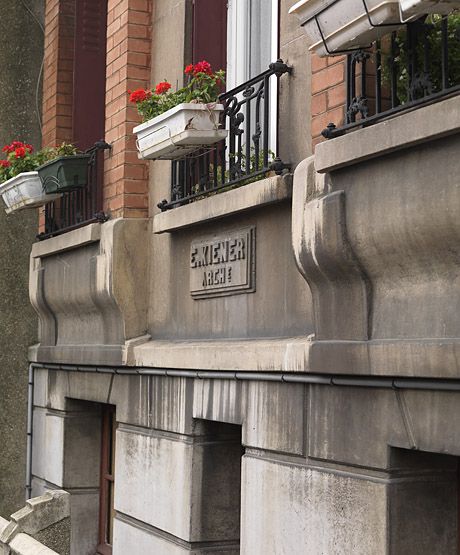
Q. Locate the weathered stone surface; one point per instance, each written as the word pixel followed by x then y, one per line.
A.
pixel 89 292
pixel 288 354
pixel 220 400
pixel 357 426
pixel 275 417
pixel 179 485
pixel 311 511
pixel 42 525
pixel 428 123
pixel 147 542
pixel 171 404
pixel 260 193
pixel 58 441
pixel 333 512
pixel 381 260
pixel 294 95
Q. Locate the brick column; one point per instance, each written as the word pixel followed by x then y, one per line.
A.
pixel 128 68
pixel 329 92
pixel 58 72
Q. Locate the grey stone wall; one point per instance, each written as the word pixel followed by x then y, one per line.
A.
pixel 20 61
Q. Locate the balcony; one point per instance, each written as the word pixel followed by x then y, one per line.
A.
pixel 414 66
pixel 248 153
pixel 81 206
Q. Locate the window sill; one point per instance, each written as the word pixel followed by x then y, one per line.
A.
pixel 403 131
pixel 260 193
pixel 84 235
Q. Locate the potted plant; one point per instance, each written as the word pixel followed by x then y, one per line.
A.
pixel 20 186
pixel 177 123
pixel 419 7
pixel 335 26
pixel 66 170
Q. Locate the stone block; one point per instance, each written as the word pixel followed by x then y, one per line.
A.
pixel 59 440
pixel 48 446
pixel 220 400
pixel 334 511
pixel 149 541
pixel 40 387
pixel 131 397
pixel 275 417
pixel 82 444
pixel 432 415
pixel 310 511
pixel 180 485
pixel 355 425
pixel 23 544
pixel 84 508
pixel 171 404
pixel 154 480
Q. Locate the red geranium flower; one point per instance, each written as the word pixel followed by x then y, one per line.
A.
pixel 189 69
pixel 162 87
pixel 5 163
pixel 139 95
pixel 20 152
pixel 203 67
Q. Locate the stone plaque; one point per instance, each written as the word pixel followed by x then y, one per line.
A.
pixel 223 264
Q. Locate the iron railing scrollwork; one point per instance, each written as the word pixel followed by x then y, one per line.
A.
pixel 245 156
pixel 81 206
pixel 416 65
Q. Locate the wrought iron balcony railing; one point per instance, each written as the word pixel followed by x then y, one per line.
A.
pixel 81 206
pixel 246 155
pixel 416 65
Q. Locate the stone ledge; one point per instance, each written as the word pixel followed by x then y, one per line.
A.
pixel 264 354
pixel 420 358
pixel 90 233
pixel 260 193
pixel 403 131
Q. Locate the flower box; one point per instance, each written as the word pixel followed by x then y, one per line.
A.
pixel 419 7
pixel 24 191
pixel 180 131
pixel 345 24
pixel 64 174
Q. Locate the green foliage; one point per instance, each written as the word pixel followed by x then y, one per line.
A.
pixel 204 87
pixel 240 161
pixel 433 28
pixel 21 159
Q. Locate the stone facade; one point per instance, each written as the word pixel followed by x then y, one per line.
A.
pixel 312 412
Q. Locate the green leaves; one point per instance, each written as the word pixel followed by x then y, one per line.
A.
pixel 203 87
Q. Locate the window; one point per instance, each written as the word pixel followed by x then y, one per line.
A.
pixel 252 44
pixel 106 505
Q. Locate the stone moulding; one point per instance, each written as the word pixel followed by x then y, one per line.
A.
pixel 253 195
pixel 39 515
pixel 325 258
pixel 90 293
pixel 377 239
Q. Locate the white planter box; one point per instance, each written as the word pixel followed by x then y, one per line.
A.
pixel 179 131
pixel 419 7
pixel 24 191
pixel 344 23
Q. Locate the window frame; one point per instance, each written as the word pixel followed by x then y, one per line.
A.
pixel 106 481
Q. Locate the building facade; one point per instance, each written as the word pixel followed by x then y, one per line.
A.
pixel 267 370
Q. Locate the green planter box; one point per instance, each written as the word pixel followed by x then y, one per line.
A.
pixel 66 173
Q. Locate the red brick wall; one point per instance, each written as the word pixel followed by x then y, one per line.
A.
pixel 328 90
pixel 128 68
pixel 58 72
pixel 125 192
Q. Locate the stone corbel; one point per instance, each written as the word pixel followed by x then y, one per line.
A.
pixel 324 256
